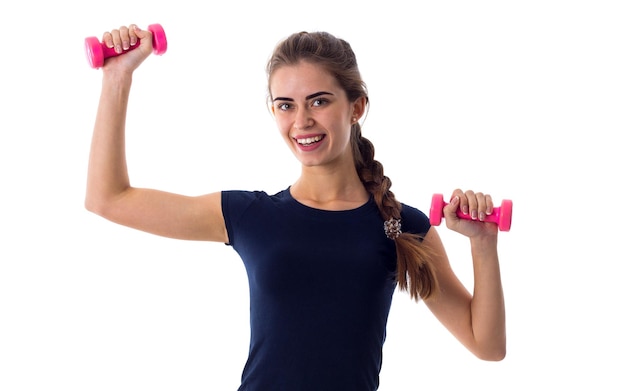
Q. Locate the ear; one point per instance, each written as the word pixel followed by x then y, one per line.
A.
pixel 359 106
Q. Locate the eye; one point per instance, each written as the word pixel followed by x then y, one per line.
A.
pixel 283 106
pixel 319 102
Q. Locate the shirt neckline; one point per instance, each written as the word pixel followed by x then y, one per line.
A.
pixel 368 206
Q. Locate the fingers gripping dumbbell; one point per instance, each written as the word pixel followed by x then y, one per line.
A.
pixel 501 215
pixel 97 51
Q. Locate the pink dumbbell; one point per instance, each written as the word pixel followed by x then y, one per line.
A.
pixel 97 51
pixel 501 215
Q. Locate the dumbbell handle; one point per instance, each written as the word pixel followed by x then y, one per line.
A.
pixel 110 52
pixel 501 215
pixel 97 51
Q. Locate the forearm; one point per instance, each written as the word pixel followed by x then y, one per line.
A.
pixel 487 307
pixel 107 172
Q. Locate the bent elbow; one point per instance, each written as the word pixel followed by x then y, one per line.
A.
pixel 497 356
pixel 104 203
pixel 493 354
pixel 97 206
pixel 89 205
pixel 93 205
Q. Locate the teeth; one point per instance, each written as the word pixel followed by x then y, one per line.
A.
pixel 309 140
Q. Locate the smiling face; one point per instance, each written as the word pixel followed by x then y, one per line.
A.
pixel 313 114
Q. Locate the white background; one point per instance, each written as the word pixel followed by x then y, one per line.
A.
pixel 524 100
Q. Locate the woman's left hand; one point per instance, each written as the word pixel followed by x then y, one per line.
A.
pixel 476 205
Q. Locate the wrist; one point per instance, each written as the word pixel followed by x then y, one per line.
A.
pixel 484 243
pixel 117 76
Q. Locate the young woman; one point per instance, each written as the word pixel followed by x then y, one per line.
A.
pixel 323 256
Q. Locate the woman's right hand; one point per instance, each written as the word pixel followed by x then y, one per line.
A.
pixel 122 39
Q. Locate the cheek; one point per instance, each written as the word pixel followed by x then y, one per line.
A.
pixel 283 125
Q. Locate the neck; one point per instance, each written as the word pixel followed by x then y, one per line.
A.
pixel 323 189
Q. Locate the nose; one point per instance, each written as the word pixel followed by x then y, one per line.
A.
pixel 303 119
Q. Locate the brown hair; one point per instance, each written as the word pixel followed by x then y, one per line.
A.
pixel 415 272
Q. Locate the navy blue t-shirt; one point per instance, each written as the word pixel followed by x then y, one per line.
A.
pixel 321 284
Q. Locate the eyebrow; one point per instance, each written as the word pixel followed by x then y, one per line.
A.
pixel 315 95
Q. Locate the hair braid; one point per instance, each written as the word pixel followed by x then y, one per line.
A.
pixel 415 273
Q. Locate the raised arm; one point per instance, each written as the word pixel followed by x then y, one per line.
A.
pixel 477 320
pixel 109 192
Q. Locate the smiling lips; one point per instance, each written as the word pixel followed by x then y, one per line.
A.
pixel 309 140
